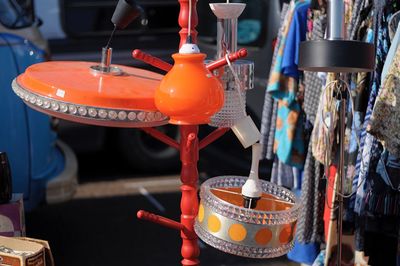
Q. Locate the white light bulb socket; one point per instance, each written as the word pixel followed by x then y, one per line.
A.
pixel 252 188
pixel 246 131
pixel 189 48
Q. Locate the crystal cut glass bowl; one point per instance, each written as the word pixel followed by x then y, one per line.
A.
pixel 264 232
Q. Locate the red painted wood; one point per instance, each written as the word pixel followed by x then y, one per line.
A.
pixel 151 60
pixel 189 155
pixel 148 216
pixel 184 18
pixel 216 134
pixel 161 137
pixel 222 61
pixel 189 202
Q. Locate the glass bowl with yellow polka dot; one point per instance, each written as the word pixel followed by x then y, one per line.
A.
pixel 264 232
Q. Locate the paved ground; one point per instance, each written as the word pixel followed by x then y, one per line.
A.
pixel 99 227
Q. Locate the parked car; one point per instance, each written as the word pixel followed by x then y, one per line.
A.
pixel 42 167
pixel 73 38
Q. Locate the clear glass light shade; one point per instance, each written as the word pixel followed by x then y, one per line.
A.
pixel 264 232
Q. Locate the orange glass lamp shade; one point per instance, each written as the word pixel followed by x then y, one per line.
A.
pixel 75 91
pixel 189 93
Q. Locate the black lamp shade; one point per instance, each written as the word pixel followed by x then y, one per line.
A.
pixel 338 56
pixel 125 12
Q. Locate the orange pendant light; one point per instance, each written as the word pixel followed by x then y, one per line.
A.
pixel 189 94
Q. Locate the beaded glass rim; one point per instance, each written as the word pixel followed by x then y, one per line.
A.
pixel 241 250
pixel 90 114
pixel 249 215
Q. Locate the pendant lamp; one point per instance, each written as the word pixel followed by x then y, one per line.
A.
pixel 335 54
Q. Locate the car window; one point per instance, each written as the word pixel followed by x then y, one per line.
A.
pixel 16 14
pixel 81 18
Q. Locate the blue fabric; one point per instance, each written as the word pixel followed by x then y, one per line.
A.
pixel 388 161
pixel 369 151
pixel 304 253
pixel 320 260
pixel 289 139
pixel 297 34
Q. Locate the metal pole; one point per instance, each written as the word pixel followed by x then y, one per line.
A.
pixel 335 28
pixel 342 126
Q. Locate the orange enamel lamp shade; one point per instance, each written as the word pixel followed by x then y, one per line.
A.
pixel 189 93
pixel 73 91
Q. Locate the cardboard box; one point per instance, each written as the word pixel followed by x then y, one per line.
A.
pixel 16 252
pixel 12 218
pixel 47 252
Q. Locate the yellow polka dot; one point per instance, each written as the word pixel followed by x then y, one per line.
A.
pixel 200 217
pixel 263 236
pixel 237 232
pixel 214 224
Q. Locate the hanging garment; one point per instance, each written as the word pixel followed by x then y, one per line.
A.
pixel 389 170
pixel 361 28
pixel 271 138
pixel 385 118
pixel 369 151
pixel 310 226
pixel 322 137
pixel 395 41
pixel 355 19
pixel 285 175
pixel 330 221
pixel 304 253
pixel 268 121
pixel 393 25
pixel 266 125
pixel 381 254
pixel 282 85
pixel 313 83
pixel 360 91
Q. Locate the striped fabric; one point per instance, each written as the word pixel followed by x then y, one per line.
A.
pixel 369 147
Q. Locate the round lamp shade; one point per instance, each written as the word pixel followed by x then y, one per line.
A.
pixel 75 91
pixel 338 56
pixel 264 232
pixel 189 93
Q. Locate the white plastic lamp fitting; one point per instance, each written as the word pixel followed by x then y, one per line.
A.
pixel 246 131
pixel 252 190
pixel 189 48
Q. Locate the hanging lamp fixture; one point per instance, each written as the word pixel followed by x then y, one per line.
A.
pixel 335 53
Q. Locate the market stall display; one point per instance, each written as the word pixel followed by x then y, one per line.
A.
pixel 188 95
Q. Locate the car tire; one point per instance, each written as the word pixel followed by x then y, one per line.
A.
pixel 143 152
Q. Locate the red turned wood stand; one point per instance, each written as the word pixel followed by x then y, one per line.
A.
pixel 189 147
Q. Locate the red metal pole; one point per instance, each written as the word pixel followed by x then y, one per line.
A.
pixel 189 202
